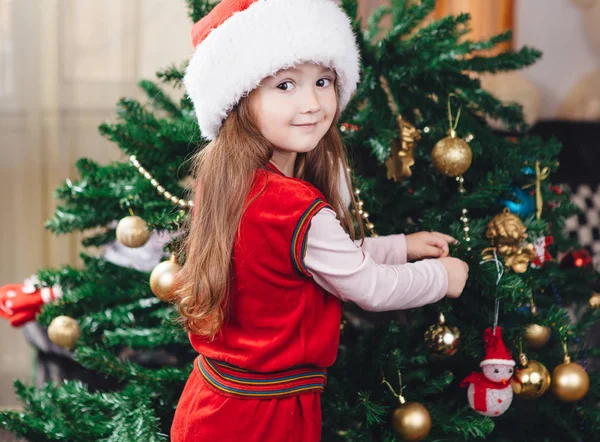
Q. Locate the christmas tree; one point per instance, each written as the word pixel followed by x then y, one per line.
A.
pixel 423 158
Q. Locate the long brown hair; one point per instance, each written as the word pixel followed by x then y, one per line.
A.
pixel 224 171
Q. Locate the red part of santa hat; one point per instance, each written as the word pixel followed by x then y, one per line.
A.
pixel 495 350
pixel 241 42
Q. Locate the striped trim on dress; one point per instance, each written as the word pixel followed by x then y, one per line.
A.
pixel 233 381
pixel 298 249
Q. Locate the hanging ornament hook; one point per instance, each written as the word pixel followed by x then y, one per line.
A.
pixel 399 396
pixel 565 347
pixel 500 271
pixel 453 125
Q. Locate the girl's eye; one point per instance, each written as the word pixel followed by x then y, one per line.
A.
pixel 285 86
pixel 324 82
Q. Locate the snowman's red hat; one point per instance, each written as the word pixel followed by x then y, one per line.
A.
pixel 495 350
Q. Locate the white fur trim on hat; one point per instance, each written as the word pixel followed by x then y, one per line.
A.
pixel 259 41
pixel 496 361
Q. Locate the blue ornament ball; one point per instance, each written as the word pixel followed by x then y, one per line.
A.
pixel 522 203
pixel 528 171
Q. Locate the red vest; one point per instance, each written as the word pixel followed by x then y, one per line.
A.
pixel 279 318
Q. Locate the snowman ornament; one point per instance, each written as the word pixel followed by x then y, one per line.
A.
pixel 490 392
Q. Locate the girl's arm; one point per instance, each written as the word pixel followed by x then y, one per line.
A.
pixel 389 249
pixel 345 270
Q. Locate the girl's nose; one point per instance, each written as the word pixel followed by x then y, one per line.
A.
pixel 310 101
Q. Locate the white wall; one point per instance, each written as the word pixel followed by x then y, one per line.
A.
pixel 556 28
pixel 63 66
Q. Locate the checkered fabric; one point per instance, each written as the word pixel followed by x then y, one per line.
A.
pixel 585 227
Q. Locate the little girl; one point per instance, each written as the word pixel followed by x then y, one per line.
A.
pixel 270 253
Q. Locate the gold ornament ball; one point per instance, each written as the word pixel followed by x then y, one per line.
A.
pixel 570 382
pixel 536 336
pixel 452 156
pixel 595 300
pixel 64 331
pixel 132 231
pixel 531 379
pixel 442 339
pixel 411 421
pixel 162 279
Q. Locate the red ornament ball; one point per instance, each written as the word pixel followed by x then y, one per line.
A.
pixel 580 258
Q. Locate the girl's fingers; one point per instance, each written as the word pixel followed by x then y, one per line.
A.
pixel 433 252
pixel 438 241
pixel 447 238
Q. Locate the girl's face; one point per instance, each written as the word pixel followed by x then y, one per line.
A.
pixel 295 108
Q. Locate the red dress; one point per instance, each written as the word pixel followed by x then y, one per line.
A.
pixel 260 380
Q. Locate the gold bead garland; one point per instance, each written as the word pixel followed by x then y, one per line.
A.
pixel 364 215
pixel 360 212
pixel 465 213
pixel 189 203
pixel 465 220
pixel 160 189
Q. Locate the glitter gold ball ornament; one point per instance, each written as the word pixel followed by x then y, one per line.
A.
pixel 531 379
pixel 162 279
pixel 570 382
pixel 64 331
pixel 411 421
pixel 452 156
pixel 536 336
pixel 442 339
pixel 132 231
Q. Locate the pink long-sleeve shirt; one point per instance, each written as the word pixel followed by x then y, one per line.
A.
pixel 375 276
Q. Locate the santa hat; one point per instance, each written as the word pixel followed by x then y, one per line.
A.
pixel 240 42
pixel 495 350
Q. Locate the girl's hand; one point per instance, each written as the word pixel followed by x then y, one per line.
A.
pixel 458 273
pixel 428 245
